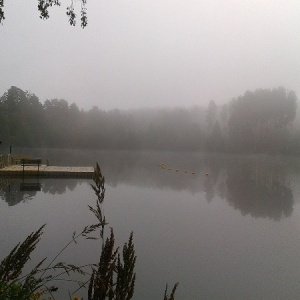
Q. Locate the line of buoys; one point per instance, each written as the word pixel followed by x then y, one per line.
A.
pixel 163 166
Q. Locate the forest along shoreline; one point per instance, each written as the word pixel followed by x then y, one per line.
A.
pixel 263 121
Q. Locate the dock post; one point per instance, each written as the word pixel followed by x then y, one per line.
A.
pixel 1 162
pixel 9 160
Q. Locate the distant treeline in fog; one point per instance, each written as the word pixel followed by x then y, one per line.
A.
pixel 257 122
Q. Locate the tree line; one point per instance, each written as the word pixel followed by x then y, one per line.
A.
pixel 257 122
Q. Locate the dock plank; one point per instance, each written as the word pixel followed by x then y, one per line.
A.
pixel 48 171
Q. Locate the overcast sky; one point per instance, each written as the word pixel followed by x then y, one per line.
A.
pixel 146 53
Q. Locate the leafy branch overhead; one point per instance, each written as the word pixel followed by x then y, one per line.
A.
pixel 43 8
pixel 1 11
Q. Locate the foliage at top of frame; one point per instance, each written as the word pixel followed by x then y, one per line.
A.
pixel 43 8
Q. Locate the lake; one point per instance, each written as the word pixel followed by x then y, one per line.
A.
pixel 223 226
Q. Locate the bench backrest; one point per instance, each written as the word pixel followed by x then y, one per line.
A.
pixel 17 158
pixel 31 161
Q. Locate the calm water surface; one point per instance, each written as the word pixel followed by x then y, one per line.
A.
pixel 229 231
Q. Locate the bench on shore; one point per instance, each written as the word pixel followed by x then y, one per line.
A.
pixel 31 162
pixel 16 159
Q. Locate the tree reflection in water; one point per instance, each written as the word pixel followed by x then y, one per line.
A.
pixel 13 191
pixel 10 192
pixel 255 185
pixel 259 190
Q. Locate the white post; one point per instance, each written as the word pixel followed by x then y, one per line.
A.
pixel 9 160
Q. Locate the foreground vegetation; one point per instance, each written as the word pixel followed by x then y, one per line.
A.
pixel 112 278
pixel 257 122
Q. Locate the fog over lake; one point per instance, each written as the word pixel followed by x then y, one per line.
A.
pixel 229 231
pixel 141 53
pixel 190 109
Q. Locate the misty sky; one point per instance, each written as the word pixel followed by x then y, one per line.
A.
pixel 146 53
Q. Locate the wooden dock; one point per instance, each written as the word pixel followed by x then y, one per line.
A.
pixel 47 171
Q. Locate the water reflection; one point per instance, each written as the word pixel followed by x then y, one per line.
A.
pixel 260 190
pixel 12 193
pixel 255 185
pixel 30 186
pixel 209 188
pixel 59 186
pixel 16 190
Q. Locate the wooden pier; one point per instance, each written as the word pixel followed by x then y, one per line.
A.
pixel 47 171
